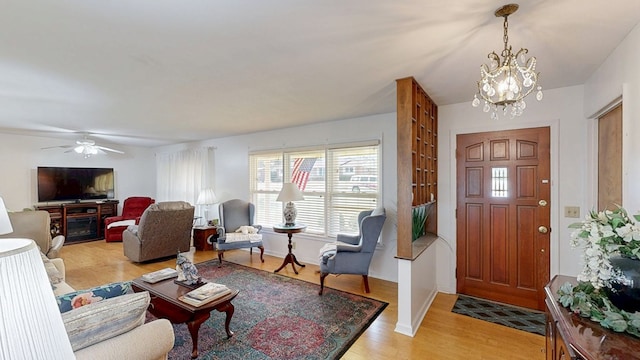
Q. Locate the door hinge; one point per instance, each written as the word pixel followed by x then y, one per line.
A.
pixel 456 215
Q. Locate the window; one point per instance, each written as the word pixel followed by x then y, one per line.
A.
pixel 499 182
pixel 337 182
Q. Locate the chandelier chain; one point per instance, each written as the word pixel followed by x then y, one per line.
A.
pixel 506 52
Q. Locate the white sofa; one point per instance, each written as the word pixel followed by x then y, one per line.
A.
pixel 152 340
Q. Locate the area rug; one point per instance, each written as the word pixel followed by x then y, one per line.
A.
pixel 511 316
pixel 277 317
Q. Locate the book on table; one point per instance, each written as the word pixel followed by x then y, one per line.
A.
pixel 205 294
pixel 163 274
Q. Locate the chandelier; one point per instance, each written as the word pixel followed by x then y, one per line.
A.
pixel 506 82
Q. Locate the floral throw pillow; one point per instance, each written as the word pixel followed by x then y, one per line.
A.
pixel 76 299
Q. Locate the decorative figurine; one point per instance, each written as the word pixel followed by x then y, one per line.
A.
pixel 187 272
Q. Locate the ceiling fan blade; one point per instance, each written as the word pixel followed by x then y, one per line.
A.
pixel 59 146
pixel 108 149
pixel 70 150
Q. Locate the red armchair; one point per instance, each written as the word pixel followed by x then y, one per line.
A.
pixel 132 209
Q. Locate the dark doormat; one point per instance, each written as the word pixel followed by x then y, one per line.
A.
pixel 497 313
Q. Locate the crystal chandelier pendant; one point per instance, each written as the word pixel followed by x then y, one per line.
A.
pixel 508 78
pixel 475 101
pixel 539 95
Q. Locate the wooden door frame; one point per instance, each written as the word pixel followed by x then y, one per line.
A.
pixel 555 241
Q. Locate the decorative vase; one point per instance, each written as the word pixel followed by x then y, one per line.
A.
pixel 290 213
pixel 626 297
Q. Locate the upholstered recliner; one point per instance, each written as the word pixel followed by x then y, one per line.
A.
pixel 164 230
pixel 233 215
pixel 352 254
pixel 36 225
pixel 132 209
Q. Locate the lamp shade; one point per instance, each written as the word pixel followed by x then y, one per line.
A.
pixel 290 192
pixel 32 326
pixel 5 223
pixel 206 197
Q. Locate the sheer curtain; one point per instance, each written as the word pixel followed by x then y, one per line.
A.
pixel 181 175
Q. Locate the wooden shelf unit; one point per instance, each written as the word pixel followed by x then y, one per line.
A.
pixel 80 222
pixel 417 127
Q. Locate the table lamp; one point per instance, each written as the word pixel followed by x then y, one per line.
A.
pixel 5 223
pixel 206 197
pixel 289 194
pixel 32 326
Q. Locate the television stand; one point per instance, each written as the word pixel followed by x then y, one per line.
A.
pixel 80 222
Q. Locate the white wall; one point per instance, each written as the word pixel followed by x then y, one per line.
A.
pixel 619 76
pixel 562 110
pixel 21 155
pixel 232 177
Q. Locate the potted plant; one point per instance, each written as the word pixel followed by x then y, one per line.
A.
pixel 419 216
pixel 419 219
pixel 606 291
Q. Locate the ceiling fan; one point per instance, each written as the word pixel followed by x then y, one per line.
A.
pixel 86 147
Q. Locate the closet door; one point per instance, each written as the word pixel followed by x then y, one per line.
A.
pixel 610 159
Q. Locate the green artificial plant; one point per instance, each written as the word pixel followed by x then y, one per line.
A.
pixel 419 218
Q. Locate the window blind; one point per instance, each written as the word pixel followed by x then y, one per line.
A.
pixel 337 183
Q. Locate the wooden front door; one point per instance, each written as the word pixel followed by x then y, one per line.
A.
pixel 503 215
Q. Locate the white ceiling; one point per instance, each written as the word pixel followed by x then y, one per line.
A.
pixel 155 72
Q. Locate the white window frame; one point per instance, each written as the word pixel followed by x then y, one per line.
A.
pixel 339 208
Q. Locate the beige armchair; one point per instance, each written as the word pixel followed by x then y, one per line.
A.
pixel 36 225
pixel 163 230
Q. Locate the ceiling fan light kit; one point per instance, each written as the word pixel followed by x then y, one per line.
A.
pixel 86 147
pixel 506 82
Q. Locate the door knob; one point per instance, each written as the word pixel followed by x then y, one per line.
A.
pixel 543 230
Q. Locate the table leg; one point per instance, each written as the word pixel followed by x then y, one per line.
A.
pixel 194 327
pixel 228 309
pixel 290 258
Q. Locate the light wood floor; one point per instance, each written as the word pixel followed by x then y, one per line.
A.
pixel 442 334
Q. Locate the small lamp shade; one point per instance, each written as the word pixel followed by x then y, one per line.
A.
pixel 5 223
pixel 32 326
pixel 206 197
pixel 289 194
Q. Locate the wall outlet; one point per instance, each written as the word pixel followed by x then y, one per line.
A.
pixel 572 211
pixel 293 245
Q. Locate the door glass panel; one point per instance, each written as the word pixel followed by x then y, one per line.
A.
pixel 499 182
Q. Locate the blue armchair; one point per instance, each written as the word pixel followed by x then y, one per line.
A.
pixel 352 254
pixel 235 214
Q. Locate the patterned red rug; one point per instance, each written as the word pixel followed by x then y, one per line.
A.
pixel 277 317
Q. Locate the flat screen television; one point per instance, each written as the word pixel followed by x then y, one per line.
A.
pixel 67 183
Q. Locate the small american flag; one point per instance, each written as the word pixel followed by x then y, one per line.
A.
pixel 301 169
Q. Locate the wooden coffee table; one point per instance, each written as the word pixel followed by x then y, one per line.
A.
pixel 165 304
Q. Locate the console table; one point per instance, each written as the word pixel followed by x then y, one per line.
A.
pixel 289 230
pixel 82 221
pixel 570 336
